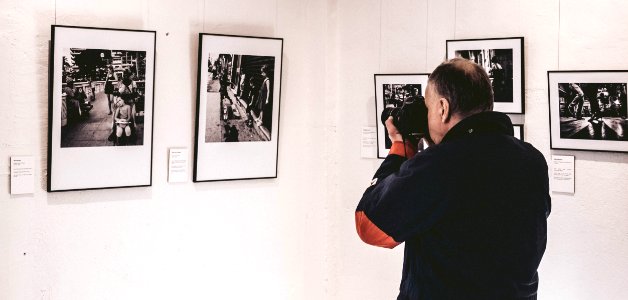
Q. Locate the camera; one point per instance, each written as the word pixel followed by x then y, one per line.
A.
pixel 410 118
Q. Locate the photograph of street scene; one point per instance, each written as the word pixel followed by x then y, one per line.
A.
pixel 102 97
pixel 498 65
pixel 593 111
pixel 239 98
pixel 395 95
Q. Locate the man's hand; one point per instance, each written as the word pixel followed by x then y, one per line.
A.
pixel 393 132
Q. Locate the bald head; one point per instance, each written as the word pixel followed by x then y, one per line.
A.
pixel 465 85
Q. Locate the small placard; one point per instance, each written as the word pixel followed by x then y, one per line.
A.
pixel 22 175
pixel 178 165
pixel 369 142
pixel 563 174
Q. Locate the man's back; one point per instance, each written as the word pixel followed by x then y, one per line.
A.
pixel 474 214
pixel 472 208
pixel 487 245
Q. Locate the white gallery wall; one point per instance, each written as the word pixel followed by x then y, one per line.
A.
pixel 292 237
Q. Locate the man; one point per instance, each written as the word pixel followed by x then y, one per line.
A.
pixel 127 87
pixel 471 208
pixel 264 99
pixel 413 93
pixel 73 105
pixel 224 83
pixel 590 91
pixel 498 74
pixel 577 103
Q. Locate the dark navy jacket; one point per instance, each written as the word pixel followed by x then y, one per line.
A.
pixel 471 210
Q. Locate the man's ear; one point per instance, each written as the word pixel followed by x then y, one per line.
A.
pixel 445 113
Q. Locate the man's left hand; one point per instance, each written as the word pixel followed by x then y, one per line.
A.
pixel 393 132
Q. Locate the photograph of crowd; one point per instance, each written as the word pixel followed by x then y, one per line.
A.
pixel 102 97
pixel 395 95
pixel 239 98
pixel 498 65
pixel 593 111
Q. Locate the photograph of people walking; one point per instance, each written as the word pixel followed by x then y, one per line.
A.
pixel 100 117
pixel 395 95
pixel 588 110
pixel 498 65
pixel 113 114
pixel 239 98
pixel 237 115
pixel 593 111
pixel 503 60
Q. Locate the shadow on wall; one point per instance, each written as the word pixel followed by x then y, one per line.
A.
pixel 101 195
pixel 596 156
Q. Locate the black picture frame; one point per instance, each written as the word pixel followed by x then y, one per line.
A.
pixel 84 149
pixel 503 60
pixel 236 132
pixel 390 82
pixel 588 110
pixel 518 131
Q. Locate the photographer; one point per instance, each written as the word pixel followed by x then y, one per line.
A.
pixel 471 208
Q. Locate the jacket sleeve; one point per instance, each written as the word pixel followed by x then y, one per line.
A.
pixel 403 200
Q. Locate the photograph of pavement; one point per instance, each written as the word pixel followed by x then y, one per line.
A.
pixel 227 118
pixel 606 128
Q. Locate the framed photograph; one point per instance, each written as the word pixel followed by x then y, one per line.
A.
pixel 502 58
pixel 588 110
pixel 392 91
pixel 100 116
pixel 237 107
pixel 518 131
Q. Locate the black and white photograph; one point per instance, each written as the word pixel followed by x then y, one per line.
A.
pixel 239 94
pixel 502 59
pixel 588 110
pixel 392 91
pixel 498 65
pixel 592 111
pixel 395 95
pixel 102 97
pixel 101 108
pixel 237 117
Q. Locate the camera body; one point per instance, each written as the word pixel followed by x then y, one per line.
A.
pixel 410 118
